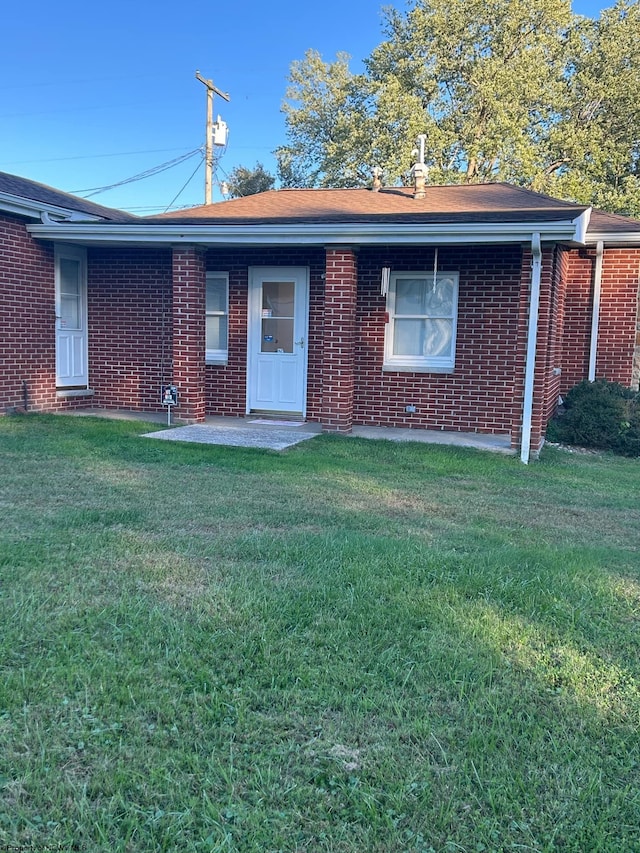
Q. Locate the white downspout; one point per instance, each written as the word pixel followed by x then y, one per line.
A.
pixel 595 314
pixel 534 304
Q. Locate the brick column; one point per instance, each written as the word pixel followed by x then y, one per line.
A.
pixel 339 339
pixel 189 337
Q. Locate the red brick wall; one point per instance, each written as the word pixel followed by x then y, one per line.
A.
pixel 130 326
pixel 617 327
pixel 338 373
pixel 27 308
pixel 551 344
pixel 577 321
pixel 315 395
pixel 189 303
pixel 482 394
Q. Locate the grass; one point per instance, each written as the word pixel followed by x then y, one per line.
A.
pixel 349 646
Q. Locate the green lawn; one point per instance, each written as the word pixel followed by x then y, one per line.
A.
pixel 350 646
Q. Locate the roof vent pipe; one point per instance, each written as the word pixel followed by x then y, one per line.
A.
pixel 419 170
pixel 377 178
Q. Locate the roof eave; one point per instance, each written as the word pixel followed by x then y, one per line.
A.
pixel 614 239
pixel 301 234
pixel 35 209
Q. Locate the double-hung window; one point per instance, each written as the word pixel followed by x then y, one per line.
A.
pixel 217 317
pixel 422 312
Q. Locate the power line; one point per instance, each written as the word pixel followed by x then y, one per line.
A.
pixel 183 188
pixel 155 170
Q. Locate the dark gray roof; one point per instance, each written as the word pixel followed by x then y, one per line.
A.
pixel 41 193
pixel 474 203
pixel 602 222
pixel 477 203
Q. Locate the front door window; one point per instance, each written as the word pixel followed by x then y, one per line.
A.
pixel 278 299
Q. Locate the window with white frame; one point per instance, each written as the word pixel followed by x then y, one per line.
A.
pixel 421 332
pixel 217 317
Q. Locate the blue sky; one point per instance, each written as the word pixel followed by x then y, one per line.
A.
pixel 94 93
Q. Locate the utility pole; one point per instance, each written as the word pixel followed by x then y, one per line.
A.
pixel 208 155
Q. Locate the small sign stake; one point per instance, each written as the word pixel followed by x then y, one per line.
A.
pixel 169 399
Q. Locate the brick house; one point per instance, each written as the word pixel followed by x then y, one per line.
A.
pixel 470 309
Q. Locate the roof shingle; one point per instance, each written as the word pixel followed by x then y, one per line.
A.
pixel 33 191
pixel 476 202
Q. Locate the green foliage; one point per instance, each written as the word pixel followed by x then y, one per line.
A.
pixel 329 138
pixel 594 148
pixel 601 414
pixel 243 181
pixel 504 90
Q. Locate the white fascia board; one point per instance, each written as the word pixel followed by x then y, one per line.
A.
pixel 34 209
pixel 611 239
pixel 307 235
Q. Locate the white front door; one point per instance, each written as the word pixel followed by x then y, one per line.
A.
pixel 71 317
pixel 277 339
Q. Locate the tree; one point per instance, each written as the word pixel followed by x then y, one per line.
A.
pixel 243 181
pixel 515 90
pixel 595 148
pixel 474 75
pixel 328 138
pixel 480 76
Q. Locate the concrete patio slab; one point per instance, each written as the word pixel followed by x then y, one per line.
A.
pixel 241 434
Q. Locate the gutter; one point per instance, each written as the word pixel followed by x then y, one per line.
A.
pixel 595 314
pixel 534 304
pixel 49 213
pixel 301 234
pixel 614 239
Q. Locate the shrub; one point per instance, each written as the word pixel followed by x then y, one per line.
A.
pixel 601 414
pixel 629 438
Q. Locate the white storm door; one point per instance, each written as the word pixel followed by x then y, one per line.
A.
pixel 71 317
pixel 277 339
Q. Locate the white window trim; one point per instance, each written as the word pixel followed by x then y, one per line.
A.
pixel 418 364
pixel 218 356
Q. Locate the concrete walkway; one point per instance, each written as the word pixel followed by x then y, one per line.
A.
pixel 496 443
pixel 254 431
